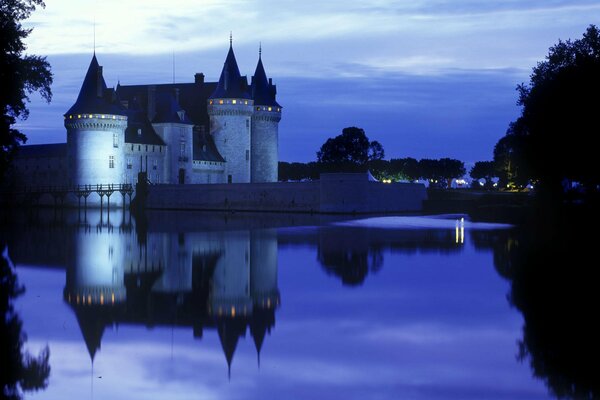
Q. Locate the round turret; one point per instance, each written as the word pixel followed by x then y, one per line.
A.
pixel 265 127
pixel 95 136
pixel 230 109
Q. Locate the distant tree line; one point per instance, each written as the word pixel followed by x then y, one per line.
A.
pixel 353 152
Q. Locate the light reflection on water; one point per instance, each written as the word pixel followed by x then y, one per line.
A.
pixel 188 305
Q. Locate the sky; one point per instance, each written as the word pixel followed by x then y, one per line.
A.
pixel 425 78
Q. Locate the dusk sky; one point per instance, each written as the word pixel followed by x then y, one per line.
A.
pixel 427 79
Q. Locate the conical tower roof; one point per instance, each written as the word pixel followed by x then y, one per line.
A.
pixel 231 84
pixel 263 92
pixel 92 97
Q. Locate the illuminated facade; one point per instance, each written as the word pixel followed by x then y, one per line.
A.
pixel 199 132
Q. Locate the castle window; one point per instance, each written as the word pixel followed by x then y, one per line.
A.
pixel 111 161
pixel 146 148
pixel 269 108
pixel 234 101
pixel 220 101
pixel 203 147
pixel 182 149
pixel 129 163
pixel 247 123
pixel 115 140
pixel 246 102
pixel 131 147
pixel 139 147
pixel 153 148
pixel 155 164
pixel 247 155
pixel 139 132
pixel 257 108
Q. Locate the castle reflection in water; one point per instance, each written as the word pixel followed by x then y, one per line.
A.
pixel 200 270
pixel 120 272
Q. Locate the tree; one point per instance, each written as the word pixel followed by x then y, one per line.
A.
pixel 484 170
pixel 559 114
pixel 20 75
pixel 451 169
pixel 351 149
pixel 19 371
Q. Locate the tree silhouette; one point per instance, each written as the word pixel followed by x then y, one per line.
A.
pixel 556 132
pixel 19 371
pixel 20 75
pixel 351 150
pixel 484 170
pixel 554 285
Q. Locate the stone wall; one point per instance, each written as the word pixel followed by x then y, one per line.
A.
pixel 334 193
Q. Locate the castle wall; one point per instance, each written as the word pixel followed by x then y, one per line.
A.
pixel 39 171
pixel 264 142
pixel 208 172
pixel 142 157
pixel 179 154
pixel 230 125
pixel 334 193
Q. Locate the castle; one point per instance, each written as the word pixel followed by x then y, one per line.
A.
pixel 179 133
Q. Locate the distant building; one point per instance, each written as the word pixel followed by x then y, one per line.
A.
pixel 199 132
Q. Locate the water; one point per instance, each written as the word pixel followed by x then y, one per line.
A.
pixel 237 306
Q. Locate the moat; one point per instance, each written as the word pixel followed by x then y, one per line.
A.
pixel 236 306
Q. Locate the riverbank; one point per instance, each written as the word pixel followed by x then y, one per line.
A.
pixel 485 206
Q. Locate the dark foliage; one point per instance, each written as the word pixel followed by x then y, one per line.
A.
pixel 554 139
pixel 20 75
pixel 351 148
pixel 19 371
pixel 484 170
pixel 554 280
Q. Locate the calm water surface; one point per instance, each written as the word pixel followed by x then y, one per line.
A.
pixel 238 306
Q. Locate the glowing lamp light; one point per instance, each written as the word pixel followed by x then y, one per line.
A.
pixel 234 101
pixel 269 108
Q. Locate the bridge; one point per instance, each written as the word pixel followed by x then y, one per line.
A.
pixel 31 195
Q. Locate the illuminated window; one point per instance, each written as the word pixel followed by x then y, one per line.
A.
pixel 102 116
pixel 269 108
pixel 210 102
pixel 246 102
pixel 111 161
pixel 91 116
pixel 70 117
pixel 78 116
pixel 220 101
pixel 234 101
pixel 257 108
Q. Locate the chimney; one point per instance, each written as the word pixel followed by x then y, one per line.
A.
pixel 151 102
pixel 199 78
pixel 99 82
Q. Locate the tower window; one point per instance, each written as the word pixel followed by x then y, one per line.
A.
pixel 247 155
pixel 155 164
pixel 139 132
pixel 247 123
pixel 115 140
pixel 182 149
pixel 129 163
pixel 111 161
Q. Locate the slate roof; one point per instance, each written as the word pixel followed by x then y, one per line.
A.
pixel 94 97
pixel 43 150
pixel 168 110
pixel 205 149
pixel 263 91
pixel 231 83
pixel 139 130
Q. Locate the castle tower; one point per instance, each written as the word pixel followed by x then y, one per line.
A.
pixel 230 110
pixel 95 135
pixel 265 127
